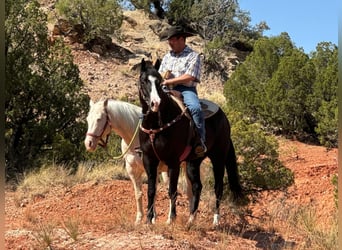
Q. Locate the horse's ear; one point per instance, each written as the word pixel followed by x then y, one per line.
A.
pixel 91 103
pixel 143 65
pixel 157 64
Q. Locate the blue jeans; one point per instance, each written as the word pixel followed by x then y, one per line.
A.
pixel 192 102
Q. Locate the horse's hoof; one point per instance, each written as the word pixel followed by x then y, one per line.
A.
pixel 191 220
pixel 138 222
pixel 138 219
pixel 150 221
pixel 170 220
pixel 216 220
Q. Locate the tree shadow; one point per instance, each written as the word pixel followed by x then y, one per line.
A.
pixel 268 240
pixel 264 240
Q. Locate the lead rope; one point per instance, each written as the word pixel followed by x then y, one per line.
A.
pixel 129 145
pixel 152 136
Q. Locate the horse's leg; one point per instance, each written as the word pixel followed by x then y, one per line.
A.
pixel 173 175
pixel 165 177
pixel 151 166
pixel 218 168
pixel 188 184
pixel 135 169
pixel 164 173
pixel 193 173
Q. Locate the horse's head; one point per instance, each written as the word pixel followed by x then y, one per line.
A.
pixel 150 86
pixel 98 125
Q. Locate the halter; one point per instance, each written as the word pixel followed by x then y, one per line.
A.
pixel 101 142
pixel 152 132
pixel 145 100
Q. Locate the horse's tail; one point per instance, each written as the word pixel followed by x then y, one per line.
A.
pixel 233 175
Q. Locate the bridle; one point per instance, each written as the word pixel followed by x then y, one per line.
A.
pixel 101 142
pixel 146 100
pixel 152 132
pixel 155 131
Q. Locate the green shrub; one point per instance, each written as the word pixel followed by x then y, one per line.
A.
pixel 98 18
pixel 45 106
pixel 257 155
pixel 288 91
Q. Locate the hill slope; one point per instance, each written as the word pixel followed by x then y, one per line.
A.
pixel 105 211
pixel 116 74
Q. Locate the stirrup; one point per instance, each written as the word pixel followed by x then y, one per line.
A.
pixel 200 149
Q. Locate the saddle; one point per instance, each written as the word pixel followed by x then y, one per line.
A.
pixel 208 107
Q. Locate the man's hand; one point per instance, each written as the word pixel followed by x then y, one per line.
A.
pixel 166 82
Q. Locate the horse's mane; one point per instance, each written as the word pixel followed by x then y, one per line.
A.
pixel 126 112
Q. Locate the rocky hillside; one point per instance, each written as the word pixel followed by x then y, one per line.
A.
pixel 110 70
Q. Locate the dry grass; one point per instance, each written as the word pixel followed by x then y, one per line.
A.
pixel 302 222
pixel 72 227
pixel 215 96
pixel 31 217
pixel 37 183
pixel 101 172
pixel 285 221
pixel 44 234
pixel 40 181
pixel 317 234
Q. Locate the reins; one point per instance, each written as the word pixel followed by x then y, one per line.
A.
pixel 169 124
pixel 129 145
pixel 152 132
pixel 104 143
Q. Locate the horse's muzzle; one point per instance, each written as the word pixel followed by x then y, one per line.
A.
pixel 90 144
pixel 155 105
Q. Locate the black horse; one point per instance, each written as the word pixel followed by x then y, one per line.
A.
pixel 164 136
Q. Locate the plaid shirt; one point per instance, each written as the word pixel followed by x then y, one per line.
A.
pixel 187 62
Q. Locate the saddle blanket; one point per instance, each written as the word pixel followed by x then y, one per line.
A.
pixel 208 108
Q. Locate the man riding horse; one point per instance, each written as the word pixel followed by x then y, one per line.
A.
pixel 181 68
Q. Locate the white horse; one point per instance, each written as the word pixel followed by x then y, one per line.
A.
pixel 122 118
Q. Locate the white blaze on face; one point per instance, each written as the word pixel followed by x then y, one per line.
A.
pixel 95 122
pixel 155 99
pixel 90 142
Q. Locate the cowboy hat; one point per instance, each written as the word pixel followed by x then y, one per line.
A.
pixel 174 31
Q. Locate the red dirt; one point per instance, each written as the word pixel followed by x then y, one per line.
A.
pixel 105 212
